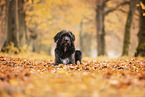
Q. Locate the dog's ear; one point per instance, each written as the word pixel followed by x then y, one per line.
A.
pixel 72 36
pixel 57 36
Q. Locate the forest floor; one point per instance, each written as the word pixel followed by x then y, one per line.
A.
pixel 35 76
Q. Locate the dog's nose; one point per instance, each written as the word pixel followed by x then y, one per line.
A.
pixel 66 40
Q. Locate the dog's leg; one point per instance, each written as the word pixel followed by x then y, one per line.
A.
pixel 57 59
pixel 78 56
pixel 72 59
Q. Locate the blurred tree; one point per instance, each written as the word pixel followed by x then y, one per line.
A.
pixel 12 26
pixel 81 36
pixel 140 51
pixel 100 17
pixel 3 20
pixel 129 20
pixel 33 22
pixel 23 37
pixel 86 41
pixel 33 40
pixel 3 8
pixel 38 20
pixel 16 25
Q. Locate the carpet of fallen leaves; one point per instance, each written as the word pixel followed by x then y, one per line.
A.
pixel 96 77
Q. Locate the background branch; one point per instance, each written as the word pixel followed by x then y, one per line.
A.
pixel 113 9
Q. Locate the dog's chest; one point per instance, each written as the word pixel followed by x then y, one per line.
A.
pixel 65 61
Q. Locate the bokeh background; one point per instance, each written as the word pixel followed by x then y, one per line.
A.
pixel 37 22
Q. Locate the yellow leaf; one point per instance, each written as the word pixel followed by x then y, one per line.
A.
pixel 13 81
pixel 142 5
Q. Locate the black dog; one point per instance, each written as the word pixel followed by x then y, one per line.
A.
pixel 65 52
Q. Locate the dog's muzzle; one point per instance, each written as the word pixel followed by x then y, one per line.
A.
pixel 66 41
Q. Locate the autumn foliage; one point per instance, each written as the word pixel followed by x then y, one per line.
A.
pixel 28 26
pixel 96 77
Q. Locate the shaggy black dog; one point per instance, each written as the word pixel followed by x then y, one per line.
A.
pixel 65 52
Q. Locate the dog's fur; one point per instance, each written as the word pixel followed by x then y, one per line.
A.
pixel 65 52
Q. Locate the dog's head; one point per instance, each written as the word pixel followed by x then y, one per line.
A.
pixel 64 37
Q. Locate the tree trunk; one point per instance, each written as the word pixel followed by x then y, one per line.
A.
pixel 87 41
pixel 81 36
pixel 22 24
pixel 12 33
pixel 49 50
pixel 128 27
pixel 141 35
pixel 33 41
pixel 2 18
pixel 100 28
